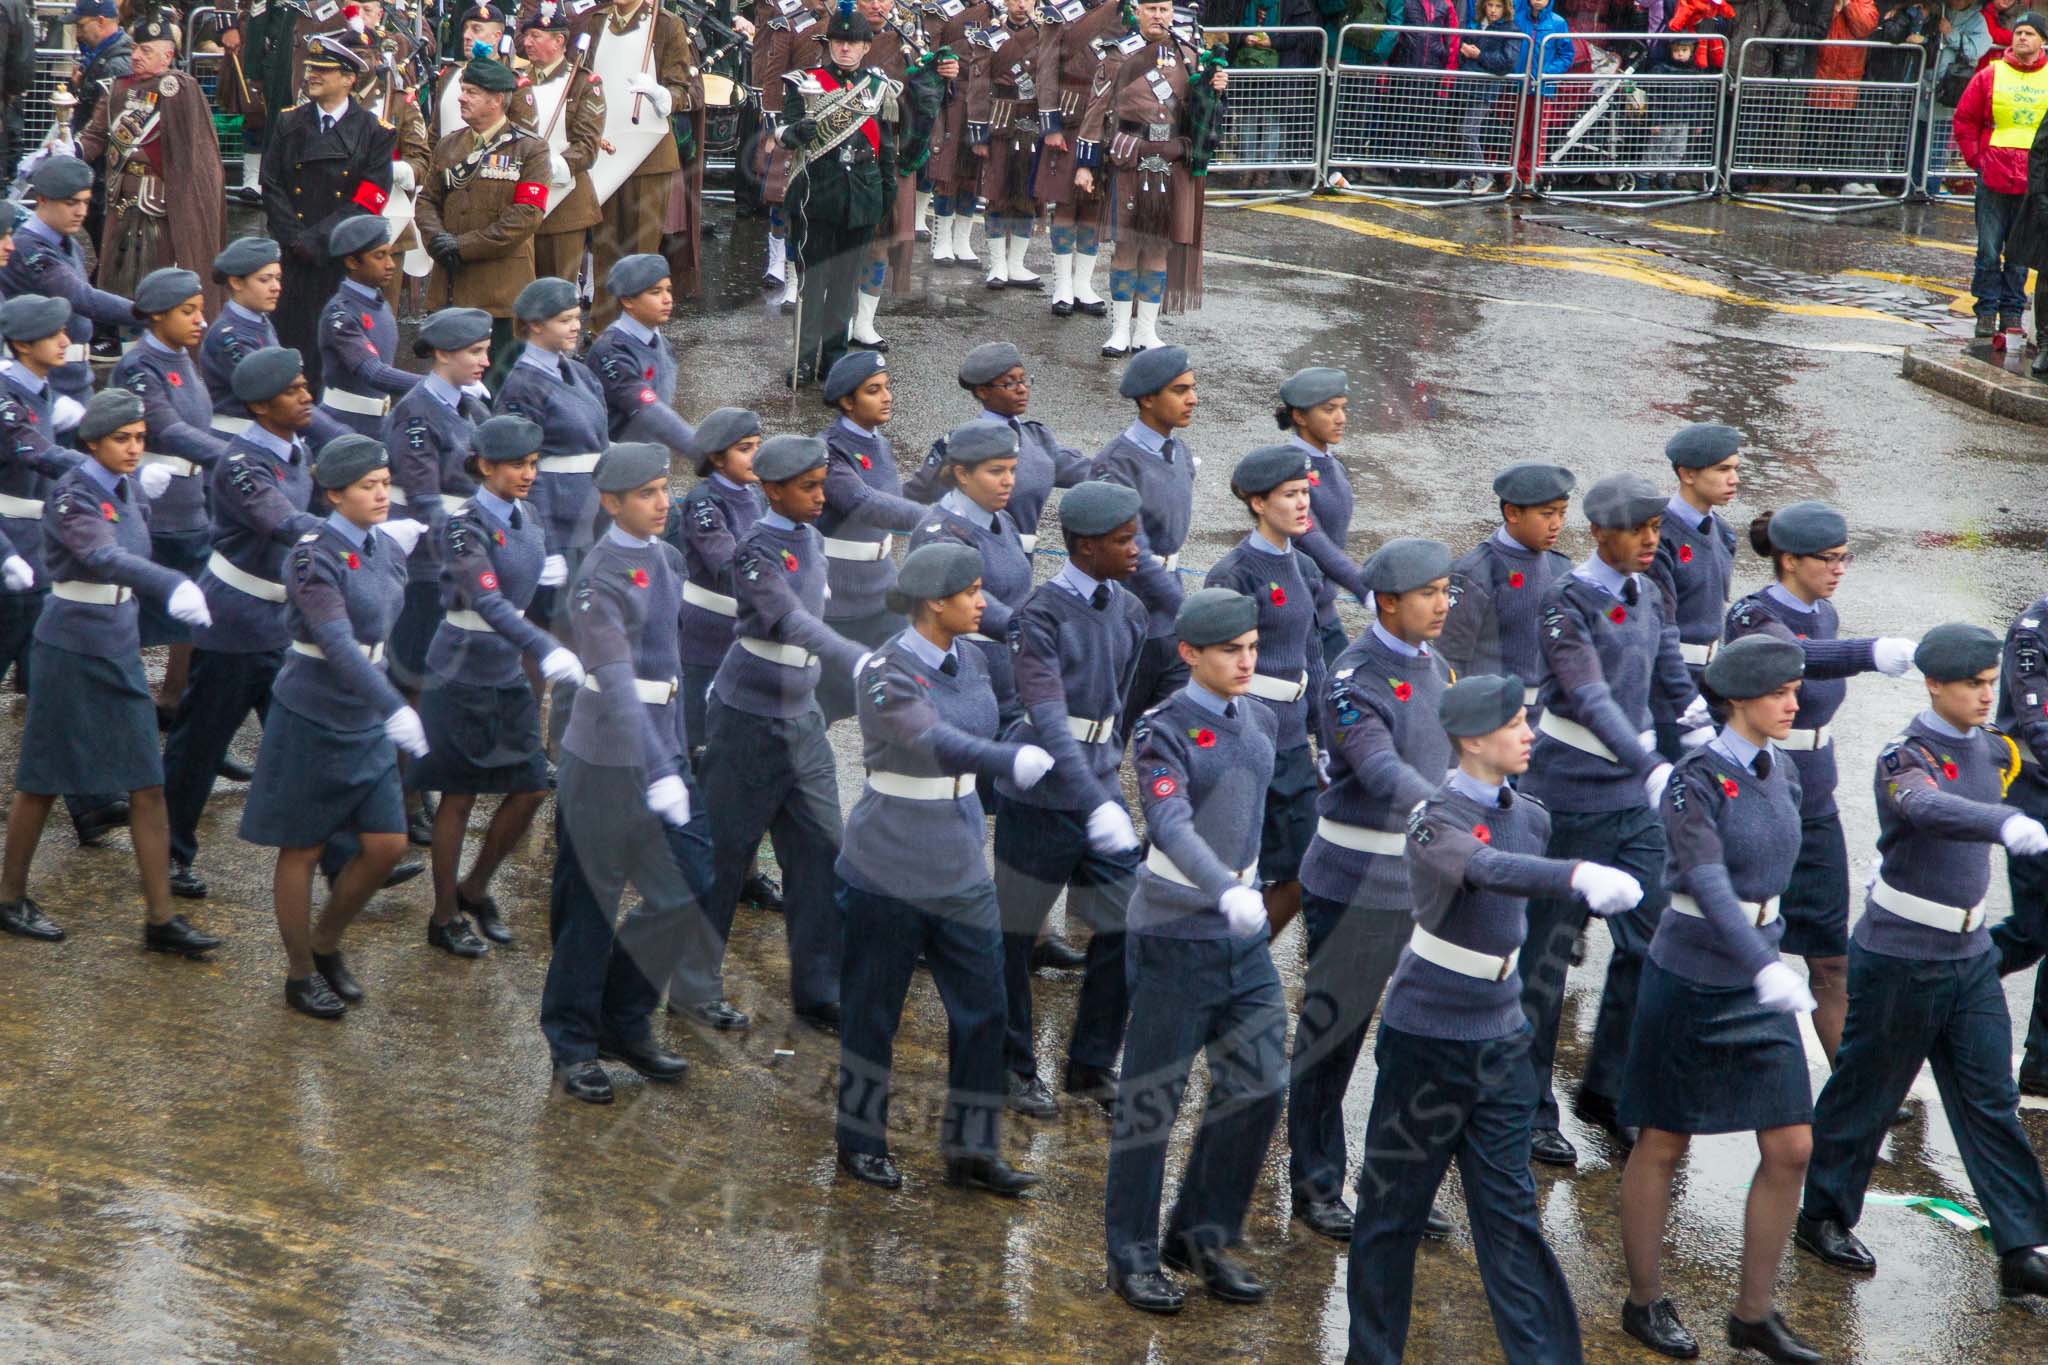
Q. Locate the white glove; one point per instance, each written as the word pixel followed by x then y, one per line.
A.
pixel 1245 910
pixel 154 478
pixel 554 571
pixel 1110 829
pixel 403 181
pixel 17 574
pixel 404 729
pixel 1648 739
pixel 657 94
pixel 188 604
pixel 1893 656
pixel 1030 764
pixel 1606 890
pixel 1778 987
pixel 560 665
pixel 1695 713
pixel 405 531
pixel 1653 785
pixel 479 391
pixel 2023 835
pixel 65 413
pixel 1693 738
pixel 670 799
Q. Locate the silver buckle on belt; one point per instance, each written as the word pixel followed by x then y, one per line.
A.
pixel 1155 164
pixel 1158 132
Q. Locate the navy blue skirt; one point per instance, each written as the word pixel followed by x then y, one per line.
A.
pixel 480 740
pixel 406 651
pixel 313 783
pixel 184 552
pixel 91 725
pixel 1711 1059
pixel 1816 900
pixel 1290 820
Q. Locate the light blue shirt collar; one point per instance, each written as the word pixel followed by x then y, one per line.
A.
pixel 1942 727
pixel 1256 541
pixel 355 535
pixel 967 509
pixel 364 292
pixel 626 542
pixel 1603 575
pixel 1397 644
pixel 728 483
pixel 644 335
pixel 281 446
pixel 247 314
pixel 778 521
pixel 1146 439
pixel 1784 597
pixel 1509 543
pixel 1076 582
pixel 498 507
pixel 1686 514
pixel 443 392
pixel 542 359
pixel 100 474
pixel 1466 785
pixel 151 340
pixel 988 416
pixel 854 426
pixel 1736 748
pixel 924 649
pixel 1204 698
pixel 36 227
pixel 1294 439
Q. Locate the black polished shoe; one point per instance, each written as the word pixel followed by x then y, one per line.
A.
pixel 1097 1083
pixel 1833 1243
pixel 990 1173
pixel 2023 1271
pixel 1029 1096
pixel 176 935
pixel 187 883
pixel 585 1081
pixel 1437 1227
pixel 1331 1218
pixel 878 346
pixel 26 918
pixel 312 995
pixel 1148 1291
pixel 824 1018
pixel 2031 1084
pixel 645 1056
pixel 94 824
pixel 401 874
pixel 763 893
pixel 870 1169
pixel 1097 309
pixel 1218 1271
pixel 339 977
pixel 1599 1111
pixel 484 913
pixel 456 938
pixel 1656 1325
pixel 419 828
pixel 231 771
pixel 1063 308
pixel 722 1015
pixel 1056 954
pixel 1552 1148
pixel 1771 1339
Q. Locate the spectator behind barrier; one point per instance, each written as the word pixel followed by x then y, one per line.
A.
pixel 1484 103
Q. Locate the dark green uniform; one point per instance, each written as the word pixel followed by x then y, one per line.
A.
pixel 836 204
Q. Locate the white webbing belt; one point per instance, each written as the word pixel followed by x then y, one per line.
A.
pixel 374 653
pixel 241 580
pixel 708 600
pixel 1954 919
pixel 1759 913
pixel 1159 865
pixel 789 656
pixel 653 691
pixel 1464 961
pixel 1360 839
pixel 1578 736
pixel 921 788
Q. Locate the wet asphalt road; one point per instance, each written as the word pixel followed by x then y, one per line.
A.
pixel 190 1171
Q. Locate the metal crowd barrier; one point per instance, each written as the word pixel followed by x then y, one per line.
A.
pixel 1948 177
pixel 1273 121
pixel 1427 134
pixel 1854 138
pixel 1612 135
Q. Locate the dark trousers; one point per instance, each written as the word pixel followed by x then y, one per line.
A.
pixel 1952 1016
pixel 1160 674
pixel 1439 1101
pixel 2022 937
pixel 832 258
pixel 959 938
pixel 1188 995
pixel 1039 852
pixel 835 689
pixel 223 690
pixel 1999 279
pixel 1352 950
pixel 601 982
pixel 775 777
pixel 18 614
pixel 1632 840
pixel 1330 635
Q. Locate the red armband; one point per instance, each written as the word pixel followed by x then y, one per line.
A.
pixel 368 196
pixel 531 192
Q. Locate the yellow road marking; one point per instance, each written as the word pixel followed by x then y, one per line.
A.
pixel 1661 224
pixel 1960 248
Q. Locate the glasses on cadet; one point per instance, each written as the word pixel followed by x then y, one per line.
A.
pixel 1838 558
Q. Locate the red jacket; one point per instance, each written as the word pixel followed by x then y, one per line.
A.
pixel 2003 169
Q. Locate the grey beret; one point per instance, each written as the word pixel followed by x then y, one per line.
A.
pixel 1215 615
pixel 543 299
pixel 31 317
pixel 1406 563
pixel 1096 508
pixel 980 440
pixel 988 362
pixel 722 429
pixel 360 233
pixel 1753 666
pixel 1807 528
pixel 1317 384
pixel 1702 444
pixel 1152 370
pixel 851 371
pixel 452 329
pixel 345 459
pixel 782 458
pixel 932 571
pixel 1480 704
pixel 12 216
pixel 262 375
pixel 507 436
pixel 1621 502
pixel 61 177
pixel 108 411
pixel 625 466
pixel 246 256
pixel 1530 485
pixel 162 290
pixel 1955 651
pixel 1266 468
pixel 636 274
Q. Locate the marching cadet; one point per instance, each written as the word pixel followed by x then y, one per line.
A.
pixel 250 271
pixel 983 457
pixel 1386 753
pixel 1002 128
pixel 632 361
pixel 2022 937
pixel 913 880
pixel 48 261
pixel 327 159
pixel 1715 1044
pixel 1076 641
pixel 329 764
pixel 1808 546
pixel 1201 975
pixel 625 811
pixel 481 718
pixel 773 772
pixel 1149 457
pixel 259 491
pixel 1066 65
pixel 1608 648
pixel 485 196
pixel 953 171
pixel 1498 586
pixel 1695 562
pixel 89 724
pixel 714 518
pixel 1312 410
pixel 579 110
pixel 1453 1027
pixel 1923 974
pixel 358 330
pixel 1266 566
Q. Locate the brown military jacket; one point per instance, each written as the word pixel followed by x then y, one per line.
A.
pixel 492 197
pixel 175 166
pixel 785 33
pixel 674 62
pixel 583 116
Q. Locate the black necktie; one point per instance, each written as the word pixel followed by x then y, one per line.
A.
pixel 1230 710
pixel 1166 450
pixel 1762 764
pixel 1630 590
pixel 949 666
pixel 513 520
pixel 369 545
pixel 121 489
pixel 1100 597
pixel 327 123
pixel 996 524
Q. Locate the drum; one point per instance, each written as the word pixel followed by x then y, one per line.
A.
pixel 724 98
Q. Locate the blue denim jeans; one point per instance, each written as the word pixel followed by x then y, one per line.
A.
pixel 1998 281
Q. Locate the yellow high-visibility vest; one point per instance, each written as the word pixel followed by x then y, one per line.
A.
pixel 2018 99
